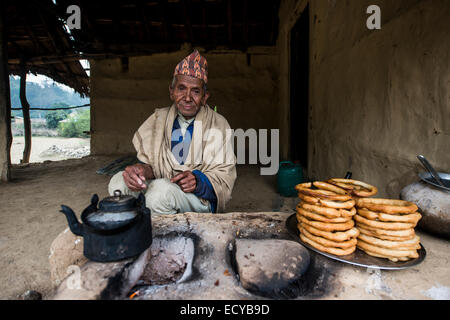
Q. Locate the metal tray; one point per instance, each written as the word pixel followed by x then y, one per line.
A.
pixel 359 257
pixel 445 177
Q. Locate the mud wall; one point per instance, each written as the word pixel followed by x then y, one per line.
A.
pixel 5 106
pixel 242 86
pixel 377 98
pixel 4 162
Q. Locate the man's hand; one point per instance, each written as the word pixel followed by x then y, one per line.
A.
pixel 136 175
pixel 186 180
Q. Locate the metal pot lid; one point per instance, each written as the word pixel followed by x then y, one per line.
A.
pixel 117 203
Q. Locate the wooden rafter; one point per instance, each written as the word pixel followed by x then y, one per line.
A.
pixel 229 21
pixel 245 17
pixel 141 12
pixel 188 25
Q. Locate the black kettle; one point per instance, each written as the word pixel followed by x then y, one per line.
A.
pixel 120 228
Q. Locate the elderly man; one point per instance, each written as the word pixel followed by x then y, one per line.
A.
pixel 186 157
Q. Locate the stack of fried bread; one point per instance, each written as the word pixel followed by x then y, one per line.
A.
pixel 325 218
pixel 325 214
pixel 386 228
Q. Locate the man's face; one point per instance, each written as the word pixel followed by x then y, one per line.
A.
pixel 188 95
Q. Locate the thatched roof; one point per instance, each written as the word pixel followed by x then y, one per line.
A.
pixel 150 26
pixel 37 36
pixel 36 31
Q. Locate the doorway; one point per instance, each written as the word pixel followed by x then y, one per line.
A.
pixel 299 89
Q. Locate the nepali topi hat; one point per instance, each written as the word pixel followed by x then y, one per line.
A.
pixel 193 65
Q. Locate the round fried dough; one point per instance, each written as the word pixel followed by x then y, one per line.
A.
pixel 338 204
pixel 355 187
pixel 387 252
pixel 329 187
pixel 325 226
pixel 408 218
pixel 393 259
pixel 308 199
pixel 334 251
pixel 383 236
pixel 328 212
pixel 384 225
pixel 389 206
pixel 399 245
pixel 394 233
pixel 323 194
pixel 329 243
pixel 317 217
pixel 333 236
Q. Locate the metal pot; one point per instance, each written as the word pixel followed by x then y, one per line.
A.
pixel 118 229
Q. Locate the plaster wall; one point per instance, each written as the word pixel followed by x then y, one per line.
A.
pixel 5 105
pixel 377 98
pixel 243 87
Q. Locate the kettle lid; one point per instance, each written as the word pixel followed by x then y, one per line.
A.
pixel 117 202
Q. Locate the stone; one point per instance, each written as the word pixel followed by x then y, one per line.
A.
pixel 32 295
pixel 105 281
pixel 65 251
pixel 434 205
pixel 270 266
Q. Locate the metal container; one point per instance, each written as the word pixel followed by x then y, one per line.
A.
pixel 289 175
pixel 118 229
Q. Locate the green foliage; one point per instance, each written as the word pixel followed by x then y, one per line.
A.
pixel 46 96
pixel 53 117
pixel 74 125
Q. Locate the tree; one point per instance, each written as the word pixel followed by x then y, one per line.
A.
pixel 76 125
pixel 54 117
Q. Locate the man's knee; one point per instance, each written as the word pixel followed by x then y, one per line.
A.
pixel 117 183
pixel 160 196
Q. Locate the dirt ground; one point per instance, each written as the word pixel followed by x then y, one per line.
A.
pixel 39 146
pixel 30 218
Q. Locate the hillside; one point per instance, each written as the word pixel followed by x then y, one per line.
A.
pixel 46 95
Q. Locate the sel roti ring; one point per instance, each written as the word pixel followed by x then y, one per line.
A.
pixel 388 206
pixel 355 187
pixel 305 189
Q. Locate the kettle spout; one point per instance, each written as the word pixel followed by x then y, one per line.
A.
pixel 74 225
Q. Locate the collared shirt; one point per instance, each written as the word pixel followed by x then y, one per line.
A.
pixel 182 131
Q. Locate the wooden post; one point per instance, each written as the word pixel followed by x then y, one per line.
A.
pixel 5 103
pixel 26 113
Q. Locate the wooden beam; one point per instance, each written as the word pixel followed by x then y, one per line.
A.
pixel 5 103
pixel 36 43
pixel 204 28
pixel 185 4
pixel 245 15
pixel 141 11
pixel 26 114
pixel 229 22
pixel 163 10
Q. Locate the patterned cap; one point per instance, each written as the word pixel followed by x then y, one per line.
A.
pixel 193 65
